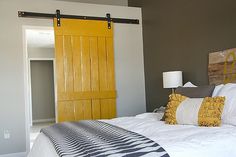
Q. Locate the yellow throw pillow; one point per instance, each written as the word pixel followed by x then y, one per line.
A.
pixel 194 111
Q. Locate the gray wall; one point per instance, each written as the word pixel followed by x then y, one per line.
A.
pixel 106 2
pixel 178 35
pixel 128 54
pixel 42 87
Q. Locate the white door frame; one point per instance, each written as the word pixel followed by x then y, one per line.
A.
pixel 27 82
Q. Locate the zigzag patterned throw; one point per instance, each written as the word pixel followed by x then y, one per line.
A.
pixel 99 139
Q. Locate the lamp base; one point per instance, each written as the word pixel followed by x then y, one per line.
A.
pixel 173 90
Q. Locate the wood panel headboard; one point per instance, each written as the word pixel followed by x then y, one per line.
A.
pixel 222 67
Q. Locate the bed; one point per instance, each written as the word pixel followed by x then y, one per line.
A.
pixel 179 140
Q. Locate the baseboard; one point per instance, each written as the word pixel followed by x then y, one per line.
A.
pixel 44 120
pixel 21 154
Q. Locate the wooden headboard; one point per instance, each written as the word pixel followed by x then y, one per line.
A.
pixel 222 67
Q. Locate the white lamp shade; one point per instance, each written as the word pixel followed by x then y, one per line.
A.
pixel 172 79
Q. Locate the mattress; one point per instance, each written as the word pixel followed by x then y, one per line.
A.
pixel 177 140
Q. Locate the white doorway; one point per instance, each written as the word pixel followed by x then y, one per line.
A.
pixel 42 95
pixel 42 91
pixel 40 80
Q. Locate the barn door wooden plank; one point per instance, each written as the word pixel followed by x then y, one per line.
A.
pixel 95 86
pixel 110 75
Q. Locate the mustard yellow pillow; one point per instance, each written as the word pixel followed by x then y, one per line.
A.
pixel 194 111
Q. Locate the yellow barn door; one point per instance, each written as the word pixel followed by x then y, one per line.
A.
pixel 84 70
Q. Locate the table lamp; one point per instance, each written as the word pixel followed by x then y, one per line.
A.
pixel 172 79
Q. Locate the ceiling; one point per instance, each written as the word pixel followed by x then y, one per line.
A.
pixel 106 2
pixel 40 38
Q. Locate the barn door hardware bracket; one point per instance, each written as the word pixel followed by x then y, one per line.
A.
pixel 109 20
pixel 58 16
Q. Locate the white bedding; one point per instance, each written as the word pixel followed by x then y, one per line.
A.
pixel 177 140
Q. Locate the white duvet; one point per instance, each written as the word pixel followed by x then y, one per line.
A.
pixel 177 140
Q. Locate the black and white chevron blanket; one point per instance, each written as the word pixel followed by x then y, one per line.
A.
pixel 99 139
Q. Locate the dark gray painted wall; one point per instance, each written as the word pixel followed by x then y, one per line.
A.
pixel 178 35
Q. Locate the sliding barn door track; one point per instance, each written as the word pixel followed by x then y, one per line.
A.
pixel 58 15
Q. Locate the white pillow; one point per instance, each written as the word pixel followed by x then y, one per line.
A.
pixel 229 112
pixel 189 84
pixel 154 116
pixel 217 90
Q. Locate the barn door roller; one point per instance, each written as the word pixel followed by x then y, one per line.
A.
pixel 58 15
pixel 109 21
